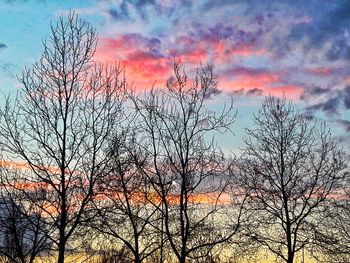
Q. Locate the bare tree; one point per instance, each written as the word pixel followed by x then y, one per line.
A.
pixel 289 168
pixel 59 123
pixel 185 168
pixel 123 210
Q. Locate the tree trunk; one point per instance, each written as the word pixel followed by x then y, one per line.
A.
pixel 61 250
pixel 290 257
pixel 137 259
pixel 182 259
pixel 137 252
pixel 61 246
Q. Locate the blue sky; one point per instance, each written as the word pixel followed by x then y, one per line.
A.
pixel 300 48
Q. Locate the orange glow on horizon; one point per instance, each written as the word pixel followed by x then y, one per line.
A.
pixel 173 199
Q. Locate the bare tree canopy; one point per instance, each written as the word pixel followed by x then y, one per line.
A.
pixel 290 166
pixel 58 125
pixel 123 211
pixel 186 170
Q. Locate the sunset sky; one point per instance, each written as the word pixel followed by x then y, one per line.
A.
pixel 300 48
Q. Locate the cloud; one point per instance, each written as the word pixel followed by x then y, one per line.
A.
pixel 142 56
pixel 121 14
pixel 8 69
pixel 130 42
pixel 321 71
pixel 261 47
pixel 313 91
pixel 193 48
pixel 254 92
pixel 237 93
pixel 254 72
pixel 329 27
pixel 133 10
pixel 300 49
pixel 261 81
pixel 346 97
pixel 331 101
pixel 245 82
pixel 343 123
pixel 330 106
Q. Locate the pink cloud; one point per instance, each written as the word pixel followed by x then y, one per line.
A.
pixel 247 78
pixel 147 60
pixel 256 82
pixel 321 71
pixel 289 90
pixel 143 65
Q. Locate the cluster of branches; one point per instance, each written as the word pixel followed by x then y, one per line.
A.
pixel 166 180
pixel 141 177
pixel 290 169
pixel 58 126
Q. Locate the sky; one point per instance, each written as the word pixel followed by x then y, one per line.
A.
pixel 297 48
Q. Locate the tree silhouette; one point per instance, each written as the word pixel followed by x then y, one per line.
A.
pixel 289 168
pixel 58 125
pixel 183 165
pixel 123 210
